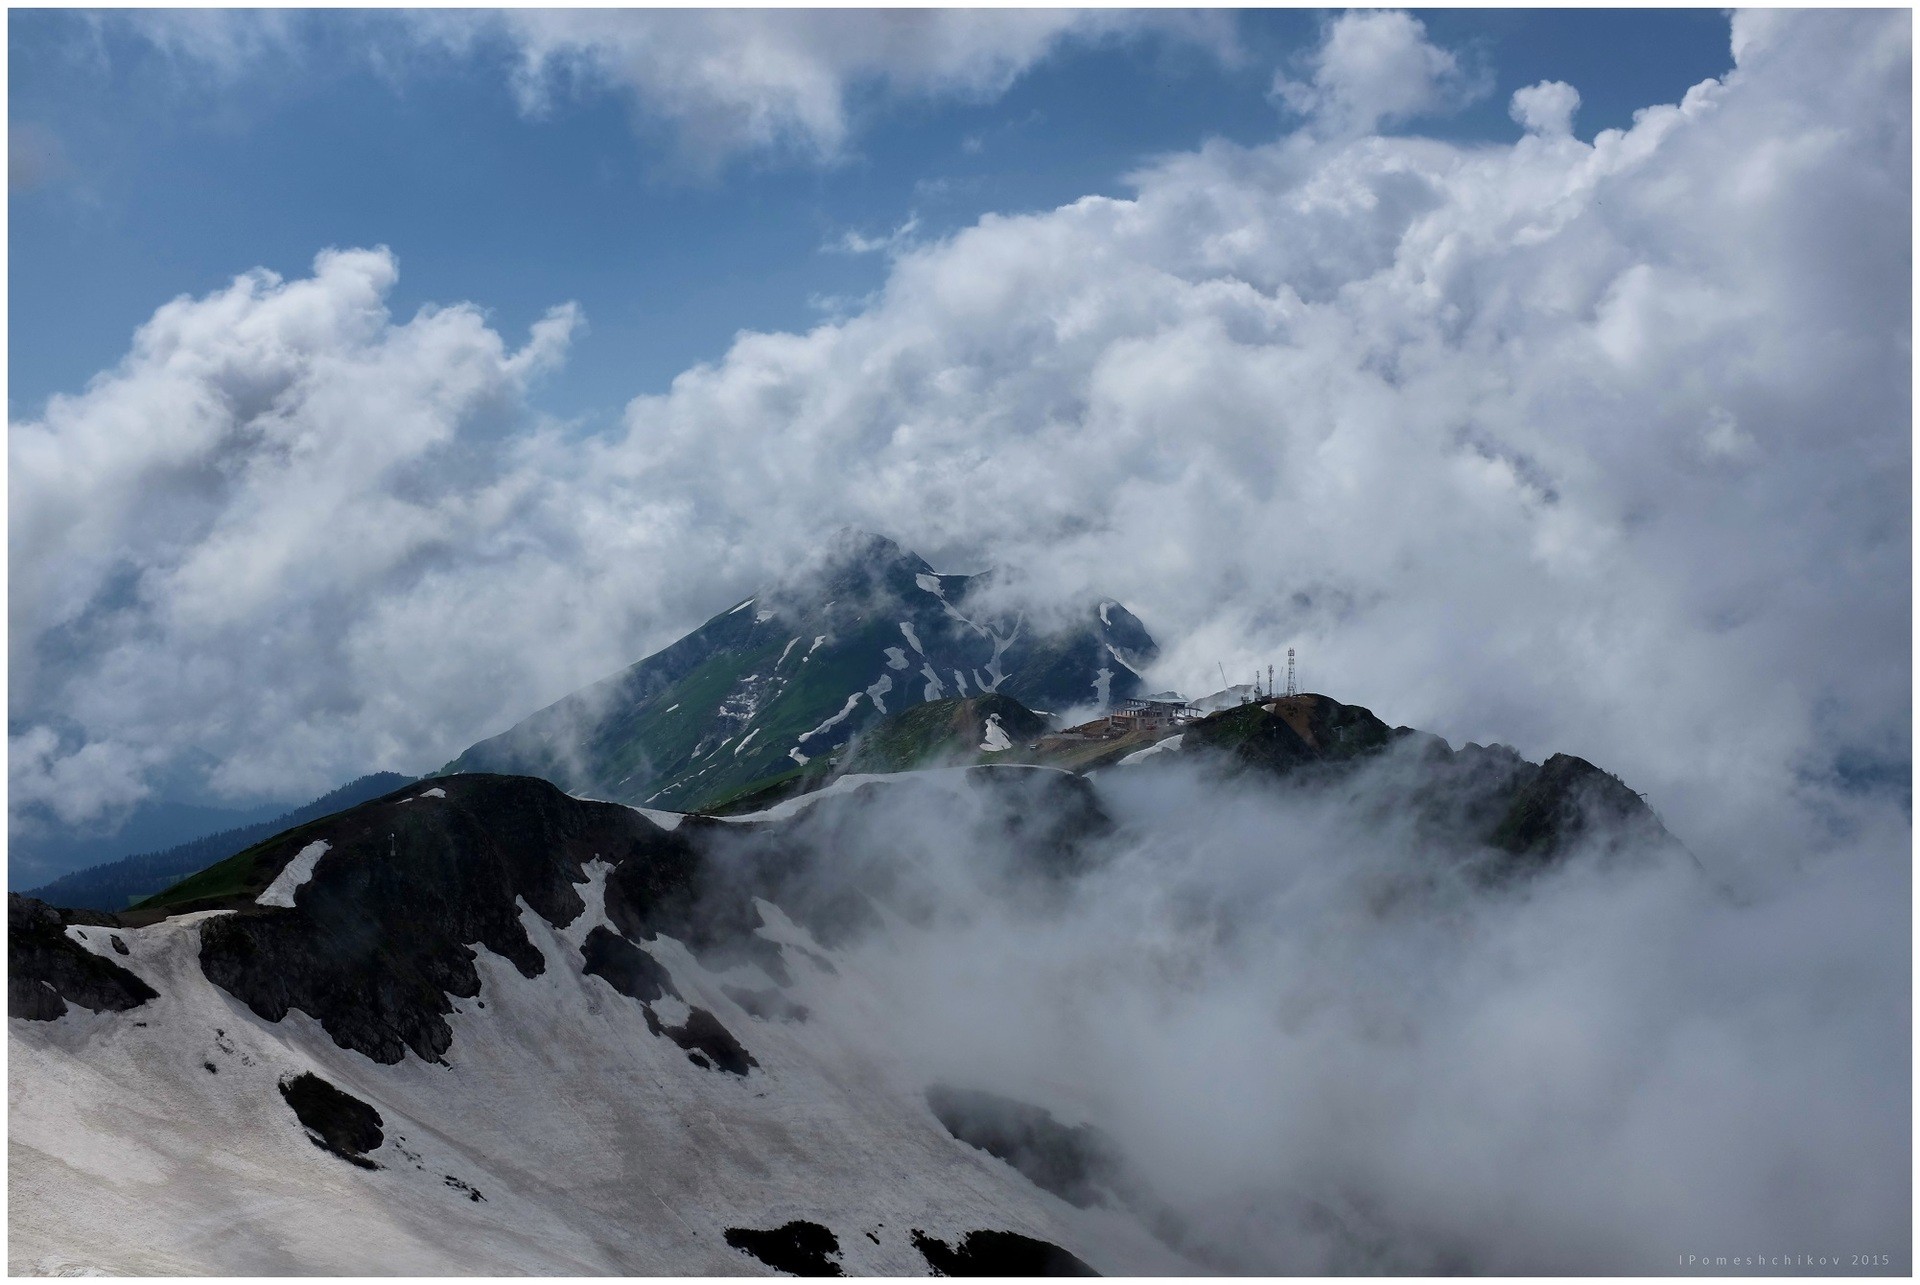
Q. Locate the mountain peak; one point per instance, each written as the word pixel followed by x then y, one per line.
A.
pixel 853 565
pixel 861 630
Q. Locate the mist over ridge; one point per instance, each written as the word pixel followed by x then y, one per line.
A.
pixel 805 810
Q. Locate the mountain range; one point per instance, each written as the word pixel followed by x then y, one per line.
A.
pixel 495 1022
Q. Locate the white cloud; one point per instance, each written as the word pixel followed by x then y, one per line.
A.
pixel 717 83
pixel 855 242
pixel 197 537
pixel 1377 67
pixel 227 44
pixel 787 80
pixel 1596 447
pixel 1546 108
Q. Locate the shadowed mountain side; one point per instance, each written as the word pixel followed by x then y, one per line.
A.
pixel 47 969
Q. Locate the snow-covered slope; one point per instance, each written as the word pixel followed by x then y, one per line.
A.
pixel 559 1133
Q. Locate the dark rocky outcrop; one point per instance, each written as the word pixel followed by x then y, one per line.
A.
pixel 627 968
pixel 335 1121
pixel 376 947
pixel 1076 1164
pixel 798 1248
pixel 1568 801
pixel 1292 733
pixel 998 1253
pixel 1500 814
pixel 47 970
pixel 706 1041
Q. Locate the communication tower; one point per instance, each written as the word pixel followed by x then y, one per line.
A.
pixel 1291 689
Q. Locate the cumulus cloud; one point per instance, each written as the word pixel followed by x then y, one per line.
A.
pixel 1546 108
pixel 1598 447
pixel 198 536
pixel 1374 68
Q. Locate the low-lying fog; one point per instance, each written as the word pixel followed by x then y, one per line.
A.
pixel 1319 1047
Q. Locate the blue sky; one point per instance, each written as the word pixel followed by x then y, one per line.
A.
pixel 173 176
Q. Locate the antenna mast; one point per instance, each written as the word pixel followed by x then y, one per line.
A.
pixel 1291 689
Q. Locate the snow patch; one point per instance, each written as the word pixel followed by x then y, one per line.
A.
pixel 957 778
pixel 762 617
pixel 743 742
pixel 879 689
pixel 1102 682
pixel 298 871
pixel 435 793
pixel 1000 646
pixel 837 718
pixel 816 647
pixel 665 820
pixel 1105 619
pixel 930 583
pixel 997 738
pixel 970 623
pixel 798 757
pixel 959 683
pixel 935 688
pixel 742 607
pixel 906 627
pixel 784 651
pixel 896 658
pixel 1158 747
pixel 1115 653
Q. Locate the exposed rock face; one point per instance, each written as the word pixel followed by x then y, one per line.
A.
pixel 375 945
pixel 47 970
pixel 627 968
pixel 707 1042
pixel 998 1253
pixel 1568 801
pixel 799 1248
pixel 337 1122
